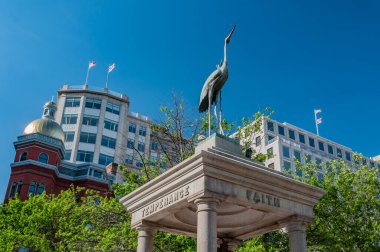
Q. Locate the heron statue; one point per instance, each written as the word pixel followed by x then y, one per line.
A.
pixel 212 88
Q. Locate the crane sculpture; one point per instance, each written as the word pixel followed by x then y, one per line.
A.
pixel 212 88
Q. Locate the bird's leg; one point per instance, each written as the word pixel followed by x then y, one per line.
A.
pixel 216 114
pixel 220 114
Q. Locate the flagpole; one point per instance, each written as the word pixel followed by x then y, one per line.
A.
pixel 108 73
pixel 88 71
pixel 316 123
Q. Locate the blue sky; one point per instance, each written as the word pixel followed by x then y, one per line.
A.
pixel 293 56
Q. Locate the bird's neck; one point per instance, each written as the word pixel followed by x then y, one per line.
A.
pixel 225 53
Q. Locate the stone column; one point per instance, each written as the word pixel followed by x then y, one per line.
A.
pixel 145 238
pixel 297 236
pixel 206 224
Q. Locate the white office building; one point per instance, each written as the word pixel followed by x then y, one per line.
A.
pixel 287 142
pixel 100 128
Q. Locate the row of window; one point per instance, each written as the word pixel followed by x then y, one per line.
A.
pixel 34 188
pixel 131 145
pixel 88 156
pixel 93 104
pixel 311 141
pixel 132 129
pixel 43 157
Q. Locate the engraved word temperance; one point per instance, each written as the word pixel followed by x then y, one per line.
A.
pixel 165 201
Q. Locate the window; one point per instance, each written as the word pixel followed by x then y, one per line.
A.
pixel 67 154
pixel 271 165
pixel 111 125
pixel 32 188
pixel 311 142
pixel 153 159
pixel 270 151
pixel 86 137
pixel 41 189
pixel 364 162
pixel 285 152
pixel 69 119
pixel 130 143
pixel 270 137
pixel 302 138
pixel 85 156
pixel 93 103
pixel 287 166
pixel 339 153
pixel 132 128
pixel 43 158
pixel 113 108
pixel 298 172
pixel 321 146
pixel 72 102
pixel 18 188
pixel 318 161
pixel 69 136
pixel 142 131
pixel 141 146
pixel 97 174
pixel 139 164
pixel 297 155
pixel 12 190
pixel 270 126
pixel 104 159
pixel 90 121
pixel 164 148
pixel 320 177
pixel 281 130
pixel 129 159
pixel 154 146
pixel 348 156
pixel 330 149
pixel 258 140
pixel 23 156
pixel 109 142
pixel 292 135
pixel 372 164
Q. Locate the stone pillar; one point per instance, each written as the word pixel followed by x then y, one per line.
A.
pixel 206 224
pixel 297 236
pixel 145 239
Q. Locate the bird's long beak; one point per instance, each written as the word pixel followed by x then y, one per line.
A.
pixel 229 35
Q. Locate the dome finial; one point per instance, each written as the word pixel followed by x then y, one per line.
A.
pixel 49 110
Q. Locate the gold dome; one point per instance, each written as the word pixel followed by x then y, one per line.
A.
pixel 47 127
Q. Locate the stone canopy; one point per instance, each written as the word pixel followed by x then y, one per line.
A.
pixel 222 199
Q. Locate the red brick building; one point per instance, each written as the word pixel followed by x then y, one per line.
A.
pixel 39 162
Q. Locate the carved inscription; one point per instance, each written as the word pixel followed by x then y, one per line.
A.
pixel 165 201
pixel 262 198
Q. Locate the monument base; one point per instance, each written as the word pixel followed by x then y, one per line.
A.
pixel 222 199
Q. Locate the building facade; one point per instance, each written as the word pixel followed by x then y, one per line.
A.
pixel 39 163
pixel 287 142
pixel 100 128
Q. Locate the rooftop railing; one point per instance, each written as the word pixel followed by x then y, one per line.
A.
pixel 95 89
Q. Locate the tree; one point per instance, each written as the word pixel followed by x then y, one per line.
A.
pixel 75 220
pixel 347 218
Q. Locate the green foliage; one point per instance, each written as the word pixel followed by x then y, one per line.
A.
pixel 251 128
pixel 270 242
pixel 347 218
pixel 66 223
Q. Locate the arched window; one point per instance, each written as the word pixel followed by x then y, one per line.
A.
pixel 12 190
pixel 32 188
pixel 19 185
pixel 23 156
pixel 41 189
pixel 43 158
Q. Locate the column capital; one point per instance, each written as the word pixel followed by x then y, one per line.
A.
pixel 207 204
